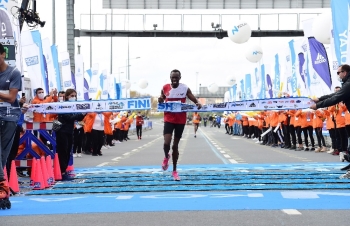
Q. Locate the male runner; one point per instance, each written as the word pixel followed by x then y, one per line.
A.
pixel 174 122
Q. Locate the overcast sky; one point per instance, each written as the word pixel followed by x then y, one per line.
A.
pixel 212 58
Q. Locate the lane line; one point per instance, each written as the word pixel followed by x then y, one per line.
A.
pixel 291 211
pixel 102 164
pixel 224 160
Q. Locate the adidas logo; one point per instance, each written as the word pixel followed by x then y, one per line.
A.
pixel 320 59
pixel 7 80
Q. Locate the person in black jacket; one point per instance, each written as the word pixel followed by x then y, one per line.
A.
pixel 342 95
pixel 64 136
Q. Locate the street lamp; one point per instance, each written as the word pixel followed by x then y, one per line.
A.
pixel 128 63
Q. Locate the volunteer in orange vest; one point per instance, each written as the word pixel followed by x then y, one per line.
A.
pixel 139 123
pixel 196 119
pixel 339 114
pixel 318 125
pixel 40 99
pixel 343 156
pixel 330 125
pixel 291 116
pixel 98 124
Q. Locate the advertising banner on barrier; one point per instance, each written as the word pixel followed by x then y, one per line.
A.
pixel 92 106
pixel 249 105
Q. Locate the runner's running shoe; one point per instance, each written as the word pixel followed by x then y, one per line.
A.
pixel 176 176
pixel 165 163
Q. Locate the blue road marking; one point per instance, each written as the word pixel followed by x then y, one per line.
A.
pixel 203 178
pixel 176 201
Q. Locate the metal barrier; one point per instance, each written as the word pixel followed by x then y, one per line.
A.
pixel 29 137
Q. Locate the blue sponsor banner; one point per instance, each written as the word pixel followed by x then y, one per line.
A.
pixel 262 88
pixel 234 92
pixel 119 90
pixel 294 74
pixel 248 87
pixel 340 18
pixel 56 65
pixel 277 74
pixel 320 61
pixel 86 90
pixel 243 94
pixel 73 80
pixel 46 74
pixel 37 40
pixel 301 58
pixel 269 85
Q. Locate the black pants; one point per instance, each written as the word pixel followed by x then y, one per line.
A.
pixel 14 150
pixel 320 139
pixel 246 130
pixel 292 134
pixel 109 139
pixel 275 135
pixel 332 134
pixel 78 135
pixel 64 147
pixel 227 128
pixel 309 131
pixel 347 127
pixel 88 142
pixel 286 134
pixel 139 131
pixel 251 131
pixel 98 141
pixel 299 130
pixel 343 139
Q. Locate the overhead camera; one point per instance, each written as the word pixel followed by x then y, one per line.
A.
pixel 217 26
pixel 155 26
pixel 31 18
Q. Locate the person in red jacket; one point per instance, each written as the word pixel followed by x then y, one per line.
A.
pixel 139 123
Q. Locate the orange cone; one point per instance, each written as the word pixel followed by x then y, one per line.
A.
pixel 50 170
pixel 39 181
pixel 56 168
pixel 32 173
pixel 13 183
pixel 70 169
pixel 44 170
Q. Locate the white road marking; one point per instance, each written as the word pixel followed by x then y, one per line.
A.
pixel 223 152
pixel 124 197
pixel 135 149
pixel 102 164
pixel 291 211
pixel 127 153
pixel 116 158
pixel 232 161
pixel 227 156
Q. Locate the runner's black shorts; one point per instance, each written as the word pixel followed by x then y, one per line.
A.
pixel 169 128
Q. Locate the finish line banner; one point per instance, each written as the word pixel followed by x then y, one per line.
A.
pixel 92 106
pixel 248 105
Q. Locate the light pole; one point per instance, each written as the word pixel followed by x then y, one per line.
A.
pixel 128 65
